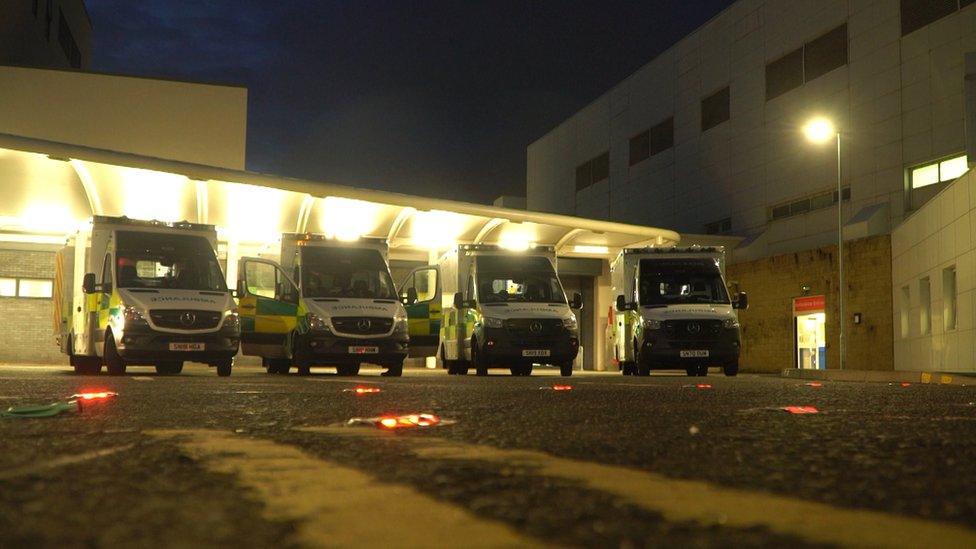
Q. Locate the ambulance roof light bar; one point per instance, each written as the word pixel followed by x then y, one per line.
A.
pixel 496 247
pixel 673 250
pixel 317 237
pixel 123 220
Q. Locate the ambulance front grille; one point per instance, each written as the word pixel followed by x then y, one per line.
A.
pixel 185 319
pixel 362 325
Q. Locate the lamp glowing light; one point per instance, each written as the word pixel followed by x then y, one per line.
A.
pixel 346 219
pixel 819 130
pixel 597 250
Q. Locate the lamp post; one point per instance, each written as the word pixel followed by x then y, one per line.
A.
pixel 821 131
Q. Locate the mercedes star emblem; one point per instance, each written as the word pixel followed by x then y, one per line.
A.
pixel 188 319
pixel 535 327
pixel 364 324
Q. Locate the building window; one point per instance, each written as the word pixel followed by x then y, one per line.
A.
pixel 940 171
pixel 809 62
pixel 721 226
pixel 657 139
pixel 916 14
pixel 906 303
pixel 68 44
pixel 593 171
pixel 715 109
pixel 640 147
pixel 949 298
pixel 925 300
pixel 26 287
pixel 784 74
pixel 8 287
pixel 825 53
pixel 808 204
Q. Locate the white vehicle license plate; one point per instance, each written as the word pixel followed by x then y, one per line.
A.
pixel 536 352
pixel 694 354
pixel 186 346
pixel 364 350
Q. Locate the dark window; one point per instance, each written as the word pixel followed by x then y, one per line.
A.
pixel 601 167
pixel 781 211
pixel 825 53
pixel 584 175
pixel 721 226
pixel 68 44
pixel 715 109
pixel 800 206
pixel 784 74
pixel 639 147
pixel 662 136
pixel 916 14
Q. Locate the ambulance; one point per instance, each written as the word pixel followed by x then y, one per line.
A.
pixel 145 293
pixel 494 307
pixel 323 302
pixel 673 311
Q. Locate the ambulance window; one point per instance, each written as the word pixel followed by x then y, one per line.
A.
pixel 107 269
pixel 470 292
pixel 260 279
pixel 425 282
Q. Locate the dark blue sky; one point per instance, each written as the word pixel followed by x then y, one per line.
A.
pixel 433 98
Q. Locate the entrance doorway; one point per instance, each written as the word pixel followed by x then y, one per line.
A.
pixel 810 342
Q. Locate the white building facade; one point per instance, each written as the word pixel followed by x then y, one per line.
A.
pixel 706 137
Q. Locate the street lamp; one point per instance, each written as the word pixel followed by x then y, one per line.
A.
pixel 820 131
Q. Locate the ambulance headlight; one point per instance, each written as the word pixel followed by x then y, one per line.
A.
pixel 731 323
pixel 133 316
pixel 401 323
pixel 492 322
pixel 232 321
pixel 570 323
pixel 652 324
pixel 317 323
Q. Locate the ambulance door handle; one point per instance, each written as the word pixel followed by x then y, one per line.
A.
pixel 246 306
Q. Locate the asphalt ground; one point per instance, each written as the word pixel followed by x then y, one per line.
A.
pixel 256 460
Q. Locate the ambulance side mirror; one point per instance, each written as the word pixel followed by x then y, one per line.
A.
pixel 411 298
pixel 88 283
pixel 742 302
pixel 460 303
pixel 577 302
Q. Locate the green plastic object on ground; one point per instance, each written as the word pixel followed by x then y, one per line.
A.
pixel 49 410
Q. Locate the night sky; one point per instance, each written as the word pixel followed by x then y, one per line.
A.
pixel 432 98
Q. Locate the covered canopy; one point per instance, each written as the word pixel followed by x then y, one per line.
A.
pixel 52 188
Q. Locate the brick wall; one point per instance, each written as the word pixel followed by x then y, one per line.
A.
pixel 772 283
pixel 27 335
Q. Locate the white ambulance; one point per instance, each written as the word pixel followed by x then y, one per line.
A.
pixel 146 293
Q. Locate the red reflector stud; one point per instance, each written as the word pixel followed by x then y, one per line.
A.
pixel 363 390
pixel 814 384
pixel 562 387
pixel 408 421
pixel 801 409
pixel 93 396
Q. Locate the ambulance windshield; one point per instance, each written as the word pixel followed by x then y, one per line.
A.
pixel 527 279
pixel 345 272
pixel 167 261
pixel 672 281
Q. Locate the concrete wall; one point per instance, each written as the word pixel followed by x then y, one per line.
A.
pixel 772 283
pixel 28 326
pixel 899 100
pixel 31 39
pixel 940 235
pixel 190 122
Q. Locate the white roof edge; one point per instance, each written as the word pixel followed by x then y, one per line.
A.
pixel 322 189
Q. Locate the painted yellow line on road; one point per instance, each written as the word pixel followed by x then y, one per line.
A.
pixel 335 505
pixel 695 501
pixel 62 461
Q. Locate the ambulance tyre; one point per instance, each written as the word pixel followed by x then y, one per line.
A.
pixel 642 369
pixel 224 367
pixel 566 369
pixel 347 369
pixel 479 363
pixel 731 369
pixel 454 367
pixel 113 362
pixel 169 368
pixel 393 370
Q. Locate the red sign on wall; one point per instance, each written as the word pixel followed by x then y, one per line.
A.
pixel 809 304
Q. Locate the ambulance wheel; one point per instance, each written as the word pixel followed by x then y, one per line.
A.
pixel 224 367
pixel 113 362
pixel 347 369
pixel 393 370
pixel 566 369
pixel 479 363
pixel 642 369
pixel 169 368
pixel 731 369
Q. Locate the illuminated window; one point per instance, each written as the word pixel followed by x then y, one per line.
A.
pixel 8 287
pixel 949 298
pixel 940 171
pixel 35 287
